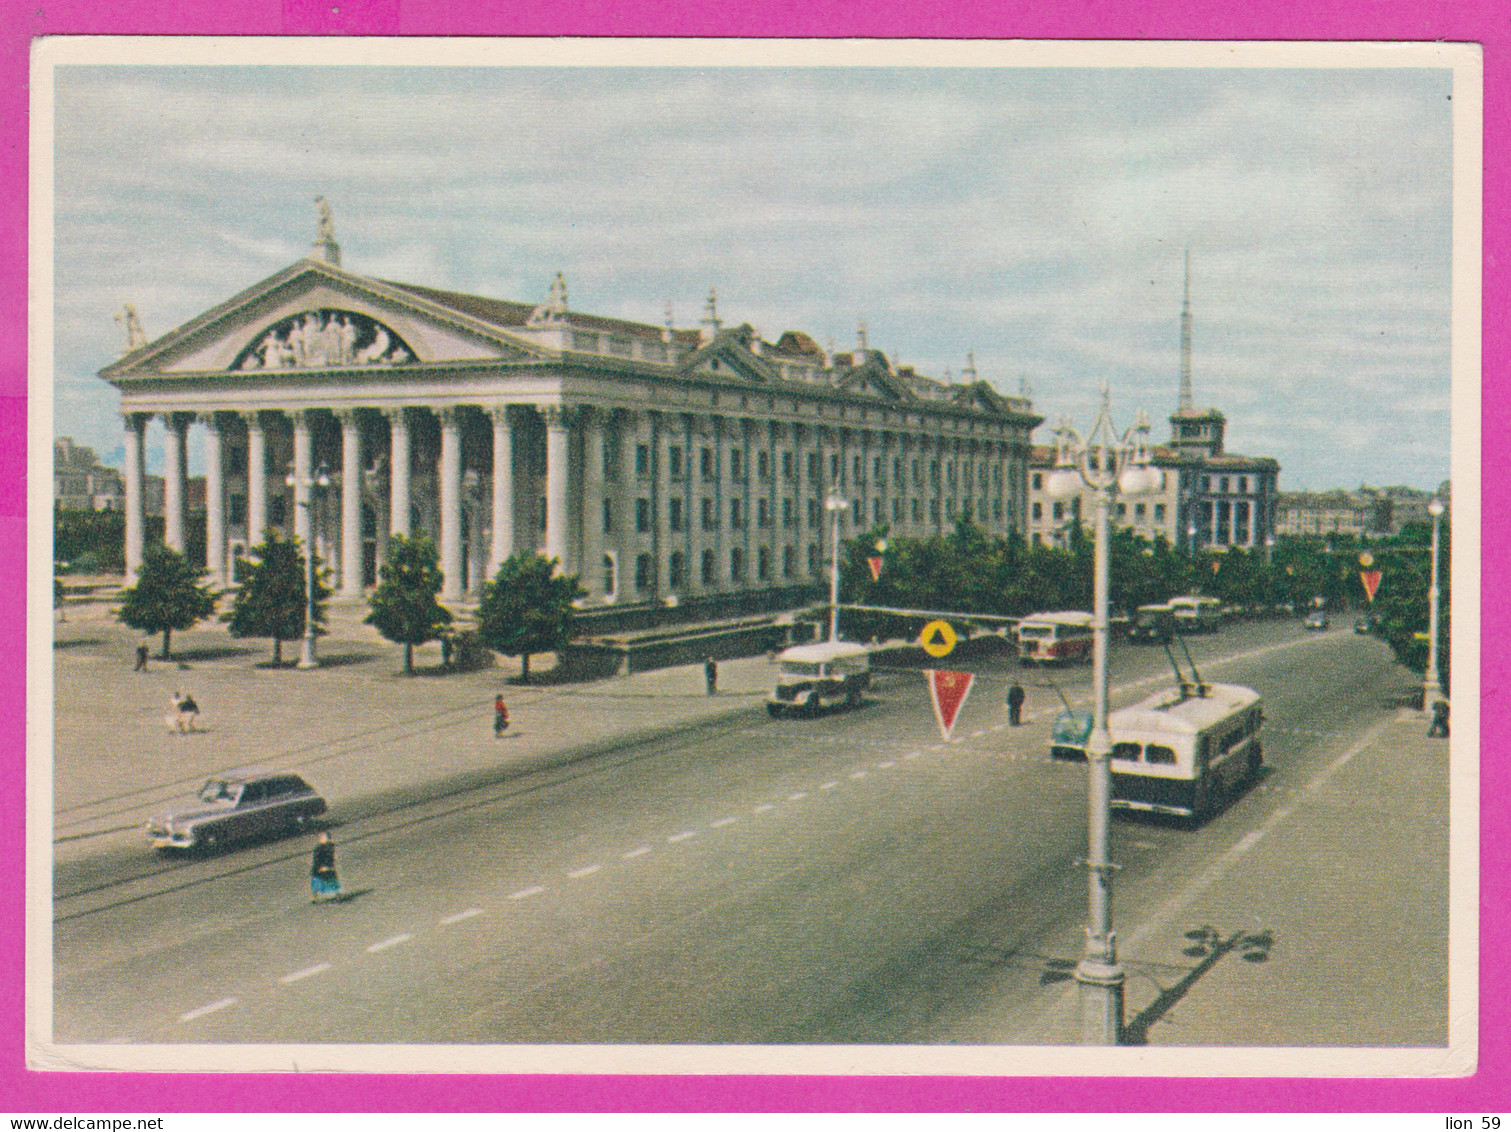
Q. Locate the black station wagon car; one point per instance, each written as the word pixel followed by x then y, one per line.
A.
pixel 237 809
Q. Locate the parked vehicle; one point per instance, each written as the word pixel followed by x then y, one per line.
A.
pixel 1183 750
pixel 810 676
pixel 237 809
pixel 1151 624
pixel 1054 638
pixel 1316 619
pixel 1196 614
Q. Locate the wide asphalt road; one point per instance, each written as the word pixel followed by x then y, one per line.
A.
pixel 845 879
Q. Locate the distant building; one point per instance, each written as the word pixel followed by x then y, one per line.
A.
pixel 1366 513
pixel 80 482
pixel 1212 498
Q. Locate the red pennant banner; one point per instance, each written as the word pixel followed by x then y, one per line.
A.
pixel 875 564
pixel 1371 580
pixel 948 691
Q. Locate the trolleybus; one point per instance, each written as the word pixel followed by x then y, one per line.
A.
pixel 1183 750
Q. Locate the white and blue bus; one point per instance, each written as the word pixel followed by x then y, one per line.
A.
pixel 1184 750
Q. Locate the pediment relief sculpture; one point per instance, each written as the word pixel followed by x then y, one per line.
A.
pixel 324 339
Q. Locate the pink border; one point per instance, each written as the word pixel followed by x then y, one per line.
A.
pixel 1482 21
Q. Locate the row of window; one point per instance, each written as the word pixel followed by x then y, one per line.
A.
pixel 1238 484
pixel 765 515
pixel 984 472
pixel 1140 511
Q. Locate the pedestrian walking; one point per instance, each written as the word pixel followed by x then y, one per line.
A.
pixel 500 716
pixel 182 713
pixel 711 675
pixel 324 884
pixel 446 652
pixel 1015 698
pixel 141 658
pixel 1439 720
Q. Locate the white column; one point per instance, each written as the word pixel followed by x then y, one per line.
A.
pixel 303 473
pixel 136 524
pixel 502 545
pixel 557 450
pixel 591 567
pixel 174 481
pixel 257 480
pixel 351 506
pixel 449 474
pixel 215 502
pixel 398 472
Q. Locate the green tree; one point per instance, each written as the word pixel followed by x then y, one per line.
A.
pixel 167 596
pixel 404 606
pixel 527 608
pixel 274 593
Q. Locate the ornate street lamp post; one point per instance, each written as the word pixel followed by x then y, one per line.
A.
pixel 1432 689
pixel 316 486
pixel 836 505
pixel 1107 464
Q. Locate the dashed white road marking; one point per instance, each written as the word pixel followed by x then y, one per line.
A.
pixel 722 822
pixel 633 853
pixel 827 785
pixel 912 754
pixel 308 972
pixel 858 774
pixel 762 808
pixel 524 892
pixel 998 726
pixel 888 765
pixel 939 747
pixel 798 797
pixel 1248 842
pixel 978 734
pixel 391 941
pixel 585 871
pixel 684 835
pixel 209 1009
pixel 460 916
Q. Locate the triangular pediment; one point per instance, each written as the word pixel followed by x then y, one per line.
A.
pixel 980 395
pixel 875 380
pixel 728 356
pixel 313 316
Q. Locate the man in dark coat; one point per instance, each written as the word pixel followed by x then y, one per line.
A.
pixel 711 675
pixel 1015 698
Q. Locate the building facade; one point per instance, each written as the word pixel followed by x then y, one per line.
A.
pixel 81 483
pixel 1211 498
pixel 657 463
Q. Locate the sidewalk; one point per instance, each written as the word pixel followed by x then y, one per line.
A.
pixel 1317 933
pixel 392 732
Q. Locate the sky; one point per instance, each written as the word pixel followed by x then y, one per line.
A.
pixel 1037 217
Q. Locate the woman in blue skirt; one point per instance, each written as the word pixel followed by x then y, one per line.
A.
pixel 324 884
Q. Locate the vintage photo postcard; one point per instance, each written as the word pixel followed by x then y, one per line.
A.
pixel 756 557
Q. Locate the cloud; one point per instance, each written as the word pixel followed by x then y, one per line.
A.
pixel 1036 216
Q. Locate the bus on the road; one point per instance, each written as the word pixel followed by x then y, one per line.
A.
pixel 1196 614
pixel 1054 638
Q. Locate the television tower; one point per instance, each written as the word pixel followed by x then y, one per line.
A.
pixel 1184 404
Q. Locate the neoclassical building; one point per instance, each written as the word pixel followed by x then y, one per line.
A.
pixel 657 463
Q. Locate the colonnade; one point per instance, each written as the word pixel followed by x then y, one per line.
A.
pixel 641 504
